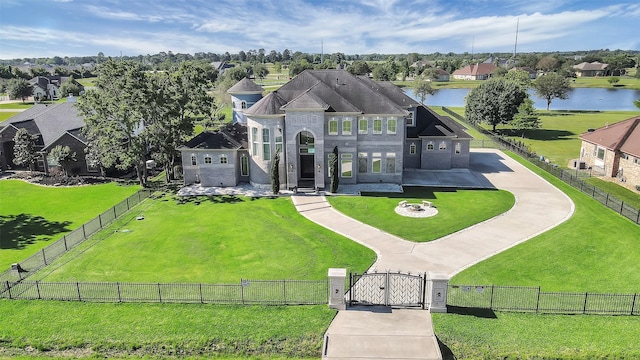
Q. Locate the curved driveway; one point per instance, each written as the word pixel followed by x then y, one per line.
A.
pixel 539 206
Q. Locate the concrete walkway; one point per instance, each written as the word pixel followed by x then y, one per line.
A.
pixel 539 207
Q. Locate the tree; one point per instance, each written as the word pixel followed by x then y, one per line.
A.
pixel 114 113
pixel 24 149
pixel 359 67
pixel 333 171
pixel 431 74
pixel 637 103
pixel 548 63
pixel 19 88
pixel 526 118
pixel 499 72
pixel 551 86
pixel 39 71
pixel 421 87
pixel 297 67
pixel 260 71
pixel 494 102
pixel 275 173
pixel 613 80
pixel 520 77
pixel 63 156
pixel 70 87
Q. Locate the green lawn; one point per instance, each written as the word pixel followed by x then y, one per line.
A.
pixel 457 209
pixel 86 82
pixel 626 82
pixel 6 115
pixel 160 330
pixel 596 250
pixel 629 197
pixel 215 240
pixel 17 105
pixel 33 216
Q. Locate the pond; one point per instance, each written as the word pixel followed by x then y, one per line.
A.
pixel 578 99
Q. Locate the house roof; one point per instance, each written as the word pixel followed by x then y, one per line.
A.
pixel 50 121
pixel 230 137
pixel 245 86
pixel 623 136
pixel 476 69
pixel 339 91
pixel 75 133
pixel 585 66
pixel 268 105
pixel 428 123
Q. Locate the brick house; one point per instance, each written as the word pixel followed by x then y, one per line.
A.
pixel 615 149
pixel 379 131
pixel 585 69
pixel 482 71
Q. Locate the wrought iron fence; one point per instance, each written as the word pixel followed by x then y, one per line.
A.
pixel 58 248
pixel 533 299
pixel 266 292
pixel 572 178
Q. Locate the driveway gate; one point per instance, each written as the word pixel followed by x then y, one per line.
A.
pixel 388 289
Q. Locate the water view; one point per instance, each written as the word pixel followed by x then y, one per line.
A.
pixel 579 99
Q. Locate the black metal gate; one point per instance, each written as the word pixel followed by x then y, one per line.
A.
pixel 388 289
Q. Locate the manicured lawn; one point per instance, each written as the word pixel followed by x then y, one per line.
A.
pixel 531 336
pixel 161 330
pixel 628 196
pixel 86 82
pixel 457 209
pixel 626 82
pixel 596 250
pixel 17 105
pixel 33 216
pixel 215 240
pixel 6 115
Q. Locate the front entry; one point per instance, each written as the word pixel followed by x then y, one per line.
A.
pixel 388 289
pixel 307 159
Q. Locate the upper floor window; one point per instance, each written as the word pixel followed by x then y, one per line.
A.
pixel 346 127
pixel 243 104
pixel 194 160
pixel 207 159
pixel 377 126
pixel 430 146
pixel 278 140
pixel 458 148
pixel 363 126
pixel 254 141
pixel 223 159
pixel 266 144
pixel 333 127
pixel 443 146
pixel 412 149
pixel 391 126
pixel 410 119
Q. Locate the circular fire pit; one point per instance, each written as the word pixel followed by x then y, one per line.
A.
pixel 425 209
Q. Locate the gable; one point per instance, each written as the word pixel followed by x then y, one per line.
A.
pixel 622 136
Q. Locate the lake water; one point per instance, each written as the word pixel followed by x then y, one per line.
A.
pixel 579 99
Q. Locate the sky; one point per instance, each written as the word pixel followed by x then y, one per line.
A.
pixel 47 28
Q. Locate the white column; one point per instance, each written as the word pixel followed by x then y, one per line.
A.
pixel 438 284
pixel 336 288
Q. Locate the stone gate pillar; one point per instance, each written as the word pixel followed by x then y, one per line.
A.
pixel 336 288
pixel 438 284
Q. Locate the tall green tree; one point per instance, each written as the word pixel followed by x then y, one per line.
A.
pixel 494 102
pixel 275 173
pixel 359 67
pixel 552 86
pixel 19 89
pixel 24 149
pixel 527 117
pixel 422 87
pixel 334 174
pixel 521 77
pixel 114 116
pixel 70 86
pixel 63 156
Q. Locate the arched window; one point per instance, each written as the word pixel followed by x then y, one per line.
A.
pixel 458 148
pixel 412 149
pixel 443 146
pixel 243 104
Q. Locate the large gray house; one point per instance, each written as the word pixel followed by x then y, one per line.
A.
pixel 378 130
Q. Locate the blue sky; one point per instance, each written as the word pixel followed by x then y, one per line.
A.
pixel 45 28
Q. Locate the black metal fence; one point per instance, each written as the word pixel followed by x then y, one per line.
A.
pixel 266 292
pixel 570 177
pixel 532 299
pixel 58 248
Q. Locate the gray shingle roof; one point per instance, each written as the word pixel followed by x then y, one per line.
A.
pixel 232 137
pixel 268 105
pixel 429 123
pixel 245 86
pixel 51 120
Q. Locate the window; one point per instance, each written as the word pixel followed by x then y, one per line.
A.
pixel 346 165
pixel 207 159
pixel 636 160
pixel 333 127
pixel 223 159
pixel 254 139
pixel 376 162
pixel 443 146
pixel 266 144
pixel 410 120
pixel 243 104
pixel 600 154
pixel 377 126
pixel 430 146
pixel 363 126
pixel 363 164
pixel 346 127
pixel 244 165
pixel 625 156
pixel 278 140
pixel 391 163
pixel 412 149
pixel 458 148
pixel 391 126
pixel 233 104
pixel 194 161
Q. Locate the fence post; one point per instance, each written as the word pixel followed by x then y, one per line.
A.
pixel 159 291
pixel 139 196
pixel 606 201
pixel 64 238
pixel 8 288
pixel 38 289
pixel 538 301
pixel 201 298
pixel 84 233
pixel 78 287
pixel 119 296
pixel 633 305
pixel 584 308
pixel 242 290
pixel 638 217
pixel 284 291
pixel 44 257
pixel 115 214
pixel 621 206
pixel 100 220
pixel 491 301
pixel 128 208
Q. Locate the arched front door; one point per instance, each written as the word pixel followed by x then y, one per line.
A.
pixel 306 159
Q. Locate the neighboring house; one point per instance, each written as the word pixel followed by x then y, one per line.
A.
pixel 481 71
pixel 221 66
pixel 615 149
pixel 378 130
pixel 586 69
pixel 443 75
pixel 48 87
pixel 532 73
pixel 55 124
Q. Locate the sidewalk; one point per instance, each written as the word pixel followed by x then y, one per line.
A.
pixel 539 207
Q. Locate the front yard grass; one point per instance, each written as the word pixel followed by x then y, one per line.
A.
pixel 457 209
pixel 64 329
pixel 33 216
pixel 215 240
